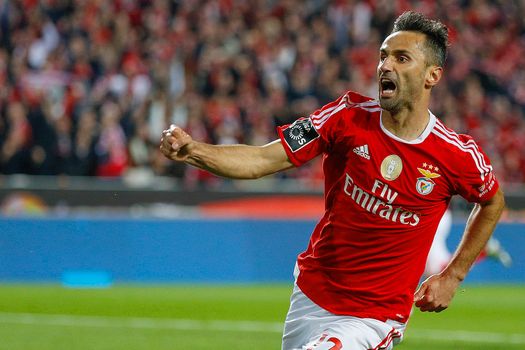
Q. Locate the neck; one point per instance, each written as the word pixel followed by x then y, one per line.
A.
pixel 406 124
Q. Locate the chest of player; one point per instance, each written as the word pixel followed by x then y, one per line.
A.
pixel 379 170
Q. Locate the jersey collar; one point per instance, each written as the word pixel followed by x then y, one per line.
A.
pixel 420 138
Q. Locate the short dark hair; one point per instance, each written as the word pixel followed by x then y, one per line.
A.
pixel 436 34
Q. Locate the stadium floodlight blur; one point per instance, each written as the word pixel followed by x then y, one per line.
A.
pixel 87 87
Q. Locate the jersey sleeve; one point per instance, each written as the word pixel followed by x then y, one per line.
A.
pixel 308 137
pixel 478 182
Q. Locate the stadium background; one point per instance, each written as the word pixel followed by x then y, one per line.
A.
pixel 93 218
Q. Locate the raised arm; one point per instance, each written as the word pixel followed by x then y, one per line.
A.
pixel 232 161
pixel 436 293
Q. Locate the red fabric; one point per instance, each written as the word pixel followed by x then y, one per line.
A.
pixel 367 253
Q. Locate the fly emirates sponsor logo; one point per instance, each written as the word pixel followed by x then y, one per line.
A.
pixel 380 203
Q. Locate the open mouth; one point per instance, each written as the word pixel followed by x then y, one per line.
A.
pixel 388 87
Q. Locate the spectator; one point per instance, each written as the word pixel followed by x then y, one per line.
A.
pixel 230 71
pixel 111 148
pixel 83 158
pixel 15 155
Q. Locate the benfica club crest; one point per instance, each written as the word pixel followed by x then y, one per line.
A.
pixel 425 184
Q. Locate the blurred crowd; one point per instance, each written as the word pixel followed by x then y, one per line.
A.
pixel 88 86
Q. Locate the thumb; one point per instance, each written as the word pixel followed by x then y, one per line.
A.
pixel 420 293
pixel 178 133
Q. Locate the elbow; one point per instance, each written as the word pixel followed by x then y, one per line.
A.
pixel 500 198
pixel 259 170
pixel 251 174
pixel 497 202
pixel 502 203
pixel 254 175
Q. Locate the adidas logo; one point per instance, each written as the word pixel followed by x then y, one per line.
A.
pixel 362 151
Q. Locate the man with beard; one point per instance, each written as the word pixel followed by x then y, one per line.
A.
pixel 391 168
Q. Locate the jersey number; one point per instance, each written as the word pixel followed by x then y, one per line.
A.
pixel 323 344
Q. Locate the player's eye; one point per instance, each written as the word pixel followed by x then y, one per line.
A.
pixel 403 59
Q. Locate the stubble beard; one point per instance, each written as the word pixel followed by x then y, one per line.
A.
pixel 397 103
pixel 392 105
pixel 403 100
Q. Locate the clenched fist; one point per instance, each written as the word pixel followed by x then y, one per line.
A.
pixel 436 292
pixel 176 144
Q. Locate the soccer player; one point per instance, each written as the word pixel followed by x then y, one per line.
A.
pixel 439 255
pixel 390 169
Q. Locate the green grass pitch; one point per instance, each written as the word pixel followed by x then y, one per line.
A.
pixel 226 317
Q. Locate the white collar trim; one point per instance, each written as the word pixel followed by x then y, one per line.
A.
pixel 419 139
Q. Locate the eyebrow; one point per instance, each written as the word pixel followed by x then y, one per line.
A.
pixel 397 52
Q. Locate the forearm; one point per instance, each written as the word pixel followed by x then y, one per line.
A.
pixel 436 292
pixel 479 228
pixel 238 161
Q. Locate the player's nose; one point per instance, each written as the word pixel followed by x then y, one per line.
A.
pixel 386 65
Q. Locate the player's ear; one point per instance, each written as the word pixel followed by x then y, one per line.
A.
pixel 434 74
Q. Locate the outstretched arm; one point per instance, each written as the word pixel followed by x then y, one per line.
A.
pixel 436 293
pixel 232 161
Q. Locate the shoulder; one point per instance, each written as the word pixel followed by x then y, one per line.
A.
pixel 356 100
pixel 350 106
pixel 461 148
pixel 461 143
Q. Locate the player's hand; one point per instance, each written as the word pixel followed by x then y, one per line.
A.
pixel 436 293
pixel 176 144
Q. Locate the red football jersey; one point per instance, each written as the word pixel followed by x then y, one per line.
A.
pixel 384 198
